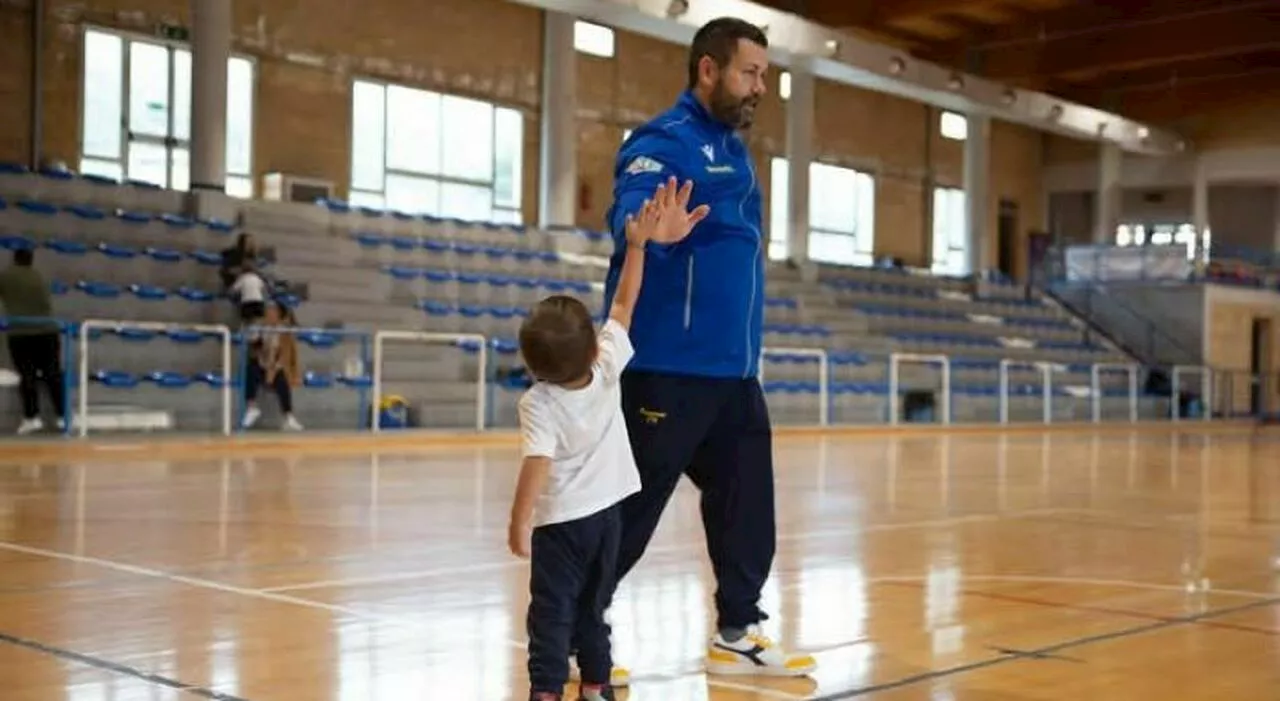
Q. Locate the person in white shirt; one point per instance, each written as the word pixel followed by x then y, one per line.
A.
pixel 251 292
pixel 577 465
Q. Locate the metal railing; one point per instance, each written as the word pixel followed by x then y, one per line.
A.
pixel 824 375
pixel 115 324
pixel 242 362
pixel 379 342
pixel 895 362
pixel 1046 380
pixel 1217 386
pixel 1095 387
pixel 1206 390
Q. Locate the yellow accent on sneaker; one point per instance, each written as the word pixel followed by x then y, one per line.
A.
pixel 619 677
pixel 755 655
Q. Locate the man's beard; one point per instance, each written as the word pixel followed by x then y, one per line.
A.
pixel 736 112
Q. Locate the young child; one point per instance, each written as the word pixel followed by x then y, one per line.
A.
pixel 577 464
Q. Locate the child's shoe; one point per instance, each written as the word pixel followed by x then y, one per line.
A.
pixel 596 693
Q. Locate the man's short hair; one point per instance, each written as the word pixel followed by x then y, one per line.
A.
pixel 558 340
pixel 24 256
pixel 718 39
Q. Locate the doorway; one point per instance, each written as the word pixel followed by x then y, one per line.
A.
pixel 1263 388
pixel 1007 237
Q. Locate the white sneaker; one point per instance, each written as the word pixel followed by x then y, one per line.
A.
pixel 251 416
pixel 290 424
pixel 755 654
pixel 30 426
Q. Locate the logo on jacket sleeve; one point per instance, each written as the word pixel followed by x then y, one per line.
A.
pixel 643 164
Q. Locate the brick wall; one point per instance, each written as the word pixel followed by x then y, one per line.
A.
pixel 308 52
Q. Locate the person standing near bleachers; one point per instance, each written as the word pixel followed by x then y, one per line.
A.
pixel 35 347
pixel 273 362
pixel 692 396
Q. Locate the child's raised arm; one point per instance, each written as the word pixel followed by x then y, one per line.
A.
pixel 663 219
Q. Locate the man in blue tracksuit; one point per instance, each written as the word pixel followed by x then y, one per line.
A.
pixel 691 397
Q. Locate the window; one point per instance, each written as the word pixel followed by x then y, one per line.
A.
pixel 423 152
pixel 593 39
pixel 841 214
pixel 784 85
pixel 950 233
pixel 953 126
pixel 140 128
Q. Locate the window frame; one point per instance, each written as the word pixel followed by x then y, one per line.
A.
pixel 863 253
pixel 122 158
pixel 365 197
pixel 957 133
pixel 582 47
pixel 952 252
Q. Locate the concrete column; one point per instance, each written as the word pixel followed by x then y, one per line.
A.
pixel 1200 205
pixel 210 51
pixel 977 190
pixel 1275 240
pixel 558 168
pixel 1107 200
pixel 799 132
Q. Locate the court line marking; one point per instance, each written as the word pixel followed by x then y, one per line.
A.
pixel 399 622
pixel 663 549
pixel 119 668
pixel 1048 650
pixel 1053 579
pixel 1090 608
pixel 286 599
pixel 205 584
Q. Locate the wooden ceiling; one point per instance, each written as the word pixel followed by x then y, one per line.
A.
pixel 1158 60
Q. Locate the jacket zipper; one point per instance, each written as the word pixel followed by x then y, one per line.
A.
pixel 688 296
pixel 751 303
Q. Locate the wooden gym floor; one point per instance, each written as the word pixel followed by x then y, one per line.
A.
pixel 1125 566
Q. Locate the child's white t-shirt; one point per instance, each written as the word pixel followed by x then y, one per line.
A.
pixel 585 435
pixel 250 286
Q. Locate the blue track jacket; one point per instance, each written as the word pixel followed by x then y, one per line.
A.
pixel 701 307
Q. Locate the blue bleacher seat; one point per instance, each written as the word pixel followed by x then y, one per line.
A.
pixel 172 380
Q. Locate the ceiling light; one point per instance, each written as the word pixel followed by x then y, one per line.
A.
pixel 956 82
pixel 897 65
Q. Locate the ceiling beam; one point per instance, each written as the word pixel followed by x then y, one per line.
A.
pixel 885 12
pixel 801 44
pixel 1127 48
pixel 1176 76
pixel 1164 104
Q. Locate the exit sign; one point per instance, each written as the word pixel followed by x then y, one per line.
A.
pixel 173 32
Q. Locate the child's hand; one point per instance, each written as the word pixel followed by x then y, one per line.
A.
pixel 665 219
pixel 518 539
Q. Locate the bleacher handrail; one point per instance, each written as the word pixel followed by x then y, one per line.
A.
pixel 1095 388
pixel 364 336
pixel 382 335
pixel 896 360
pixel 1046 379
pixel 1206 389
pixel 88 325
pixel 824 375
